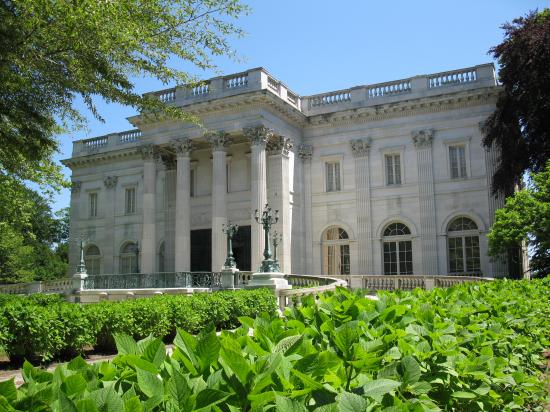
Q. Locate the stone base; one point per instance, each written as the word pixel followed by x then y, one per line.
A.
pixel 229 276
pixel 270 280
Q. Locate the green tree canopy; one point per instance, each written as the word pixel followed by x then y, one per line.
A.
pixel 54 51
pixel 520 125
pixel 526 217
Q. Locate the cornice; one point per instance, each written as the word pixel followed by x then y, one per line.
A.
pixel 87 160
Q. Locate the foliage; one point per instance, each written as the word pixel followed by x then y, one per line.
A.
pixel 520 125
pixel 42 327
pixel 467 348
pixel 53 52
pixel 526 217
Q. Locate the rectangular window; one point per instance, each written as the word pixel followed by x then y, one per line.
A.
pixel 131 200
pixel 332 176
pixel 457 159
pixel 471 246
pixel 393 169
pixel 192 183
pixel 456 256
pixel 93 204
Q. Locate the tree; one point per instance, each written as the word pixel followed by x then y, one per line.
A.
pixel 526 217
pixel 520 125
pixel 54 51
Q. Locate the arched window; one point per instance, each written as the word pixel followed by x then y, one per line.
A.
pixel 161 258
pixel 335 243
pixel 128 258
pixel 463 246
pixel 92 258
pixel 397 246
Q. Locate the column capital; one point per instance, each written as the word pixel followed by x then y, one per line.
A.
pixel 110 182
pixel 218 140
pixel 279 145
pixel 423 138
pixel 360 147
pixel 258 135
pixel 305 151
pixel 169 161
pixel 149 152
pixel 183 146
pixel 76 185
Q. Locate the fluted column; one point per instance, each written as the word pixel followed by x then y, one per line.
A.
pixel 148 235
pixel 278 149
pixel 183 148
pixel 219 142
pixel 365 260
pixel 74 256
pixel 108 252
pixel 304 153
pixel 258 136
pixel 422 140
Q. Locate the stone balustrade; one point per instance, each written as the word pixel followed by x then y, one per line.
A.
pixel 47 286
pixel 407 282
pixel 107 143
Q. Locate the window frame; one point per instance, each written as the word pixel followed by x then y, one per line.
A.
pixel 340 247
pixel 127 189
pixel 464 143
pixel 92 260
pixel 396 241
pixel 93 206
pixel 463 235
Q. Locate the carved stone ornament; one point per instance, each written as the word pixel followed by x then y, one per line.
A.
pixel 360 147
pixel 76 186
pixel 305 151
pixel 279 145
pixel 149 152
pixel 169 161
pixel 110 182
pixel 258 135
pixel 219 141
pixel 423 138
pixel 183 147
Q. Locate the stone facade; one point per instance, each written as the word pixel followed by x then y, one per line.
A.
pixel 379 179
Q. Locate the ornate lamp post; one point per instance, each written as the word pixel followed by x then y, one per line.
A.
pixel 267 219
pixel 137 256
pixel 230 230
pixel 277 238
pixel 81 268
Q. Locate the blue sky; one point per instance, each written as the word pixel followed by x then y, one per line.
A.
pixel 316 46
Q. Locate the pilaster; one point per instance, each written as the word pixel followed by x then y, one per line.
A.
pixel 365 259
pixel 258 137
pixel 74 257
pixel 150 156
pixel 183 148
pixel 219 142
pixel 305 153
pixel 108 252
pixel 422 140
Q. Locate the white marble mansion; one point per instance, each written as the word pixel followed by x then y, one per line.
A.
pixel 382 179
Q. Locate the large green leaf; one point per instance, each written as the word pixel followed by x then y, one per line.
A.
pixel 149 384
pixel 411 370
pixel 133 405
pixel 346 335
pixel 125 344
pixel 350 402
pixel 208 349
pixel 208 398
pixel 155 352
pixel 8 390
pixel 237 363
pixel 288 405
pixel 379 387
pixel 74 384
pixel 107 400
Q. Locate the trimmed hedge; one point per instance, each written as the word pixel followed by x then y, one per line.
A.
pixel 41 328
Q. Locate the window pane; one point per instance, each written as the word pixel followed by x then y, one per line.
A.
pixel 462 161
pixel 389 170
pixel 472 253
pixel 344 260
pixel 329 177
pixel 390 258
pixel 337 176
pixel 456 256
pixel 453 159
pixel 405 258
pixel 93 204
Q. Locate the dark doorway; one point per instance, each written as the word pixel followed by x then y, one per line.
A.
pixel 201 250
pixel 241 248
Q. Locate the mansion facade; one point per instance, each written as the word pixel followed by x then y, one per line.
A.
pixel 388 178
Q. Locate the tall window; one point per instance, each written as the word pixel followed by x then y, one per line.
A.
pixel 92 197
pixel 92 258
pixel 457 160
pixel 393 169
pixel 128 258
pixel 130 200
pixel 192 183
pixel 463 246
pixel 332 176
pixel 336 258
pixel 397 250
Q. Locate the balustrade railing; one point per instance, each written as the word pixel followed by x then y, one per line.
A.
pixel 324 99
pixel 239 80
pixel 201 89
pixel 452 78
pixel 166 96
pixel 129 136
pixel 389 89
pixel 95 142
pixel 155 280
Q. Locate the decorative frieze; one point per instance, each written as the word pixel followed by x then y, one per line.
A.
pixel 183 146
pixel 305 151
pixel 76 185
pixel 110 182
pixel 218 140
pixel 279 145
pixel 258 135
pixel 360 147
pixel 149 152
pixel 423 138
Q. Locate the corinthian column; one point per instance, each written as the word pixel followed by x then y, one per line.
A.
pixel 148 235
pixel 219 142
pixel 183 149
pixel 305 152
pixel 258 136
pixel 422 140
pixel 360 149
pixel 109 231
pixel 74 255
